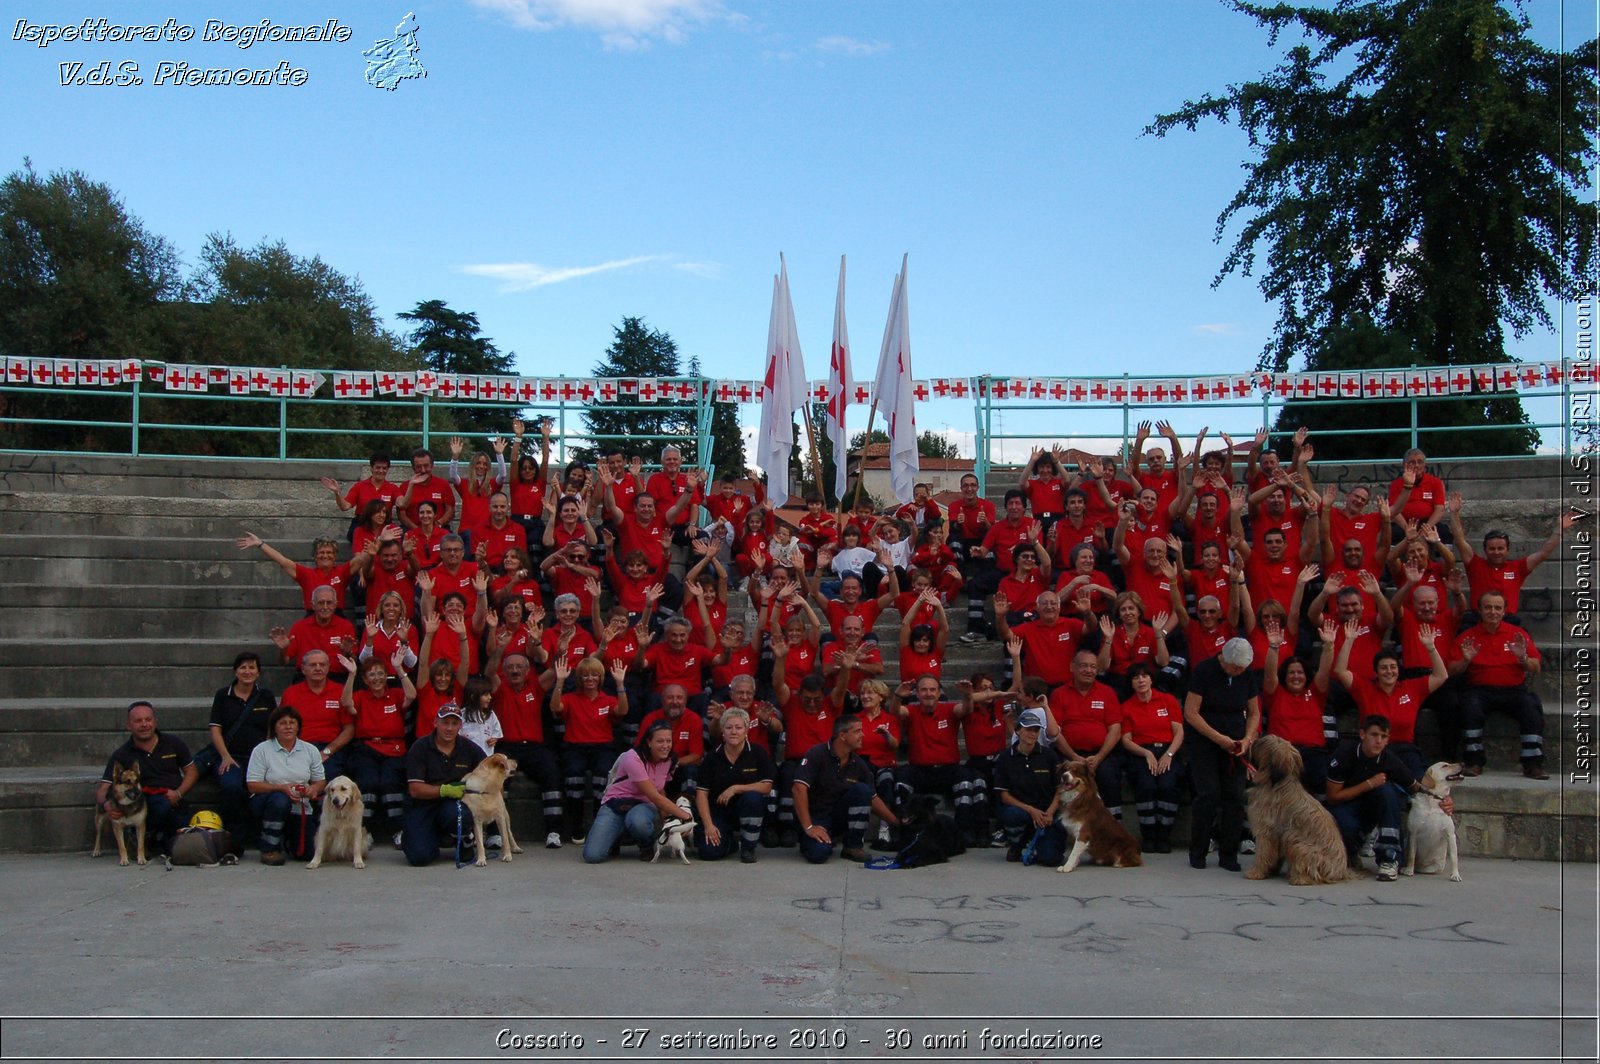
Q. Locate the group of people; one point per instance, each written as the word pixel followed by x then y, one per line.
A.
pixel 1156 619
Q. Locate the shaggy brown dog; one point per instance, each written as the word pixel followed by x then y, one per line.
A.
pixel 1092 826
pixel 1288 824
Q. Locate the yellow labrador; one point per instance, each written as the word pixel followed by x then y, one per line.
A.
pixel 486 801
pixel 341 833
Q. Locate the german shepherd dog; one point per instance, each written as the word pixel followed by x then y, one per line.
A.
pixel 128 797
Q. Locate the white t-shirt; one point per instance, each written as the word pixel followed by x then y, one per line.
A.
pixel 483 732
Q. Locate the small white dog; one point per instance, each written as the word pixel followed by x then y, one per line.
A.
pixel 1430 831
pixel 675 834
pixel 341 833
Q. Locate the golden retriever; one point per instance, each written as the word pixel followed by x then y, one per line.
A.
pixel 1430 831
pixel 1091 825
pixel 486 801
pixel 341 833
pixel 1289 825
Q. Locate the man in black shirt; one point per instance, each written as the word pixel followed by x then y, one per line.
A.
pixel 1367 787
pixel 166 772
pixel 833 795
pixel 1025 778
pixel 730 791
pixel 435 766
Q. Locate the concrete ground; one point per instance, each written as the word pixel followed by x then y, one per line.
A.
pixel 1161 962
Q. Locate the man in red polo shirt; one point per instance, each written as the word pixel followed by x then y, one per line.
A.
pixel 1498 657
pixel 1090 715
pixel 324 630
pixel 1150 469
pixel 453 575
pixel 932 727
pixel 647 531
pixel 1050 640
pixel 679 661
pixel 1416 494
pixel 807 713
pixel 519 700
pixel 1495 569
pixel 851 656
pixel 688 728
pixel 323 721
pixel 995 553
pixel 1353 520
pixel 500 533
pixel 425 487
pixel 1387 695
pixel 971 517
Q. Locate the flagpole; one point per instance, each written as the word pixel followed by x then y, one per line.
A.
pixel 811 440
pixel 861 472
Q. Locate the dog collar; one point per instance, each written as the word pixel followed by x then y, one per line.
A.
pixel 1431 794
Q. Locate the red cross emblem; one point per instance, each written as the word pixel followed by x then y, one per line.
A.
pixel 959 389
pixel 1058 391
pixel 1242 387
pixel 1038 389
pixel 1394 384
pixel 386 383
pixel 1350 385
pixel 468 387
pixel 1180 392
pixel 1077 392
pixel 259 380
pixel 1202 391
pixel 198 379
pixel 303 385
pixel 647 391
pixel 863 394
pixel 342 386
pixel 1372 385
pixel 586 392
pixel 405 384
pixel 43 372
pixel 17 370
pixel 1553 373
pixel 66 372
pixel 1305 387
pixel 1119 392
pixel 447 385
pixel 427 381
pixel 363 386
pixel 1327 384
pixel 111 373
pixel 608 391
pixel 1484 375
pixel 1582 373
pixel 1418 384
pixel 1462 381
pixel 1529 376
pixel 218 374
pixel 1159 392
pixel 279 384
pixel 920 391
pixel 130 369
pixel 88 373
pixel 941 387
pixel 745 393
pixel 568 392
pixel 1506 379
pixel 547 391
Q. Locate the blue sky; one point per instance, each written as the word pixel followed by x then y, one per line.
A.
pixel 569 162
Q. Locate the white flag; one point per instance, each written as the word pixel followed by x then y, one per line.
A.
pixel 892 391
pixel 785 391
pixel 839 388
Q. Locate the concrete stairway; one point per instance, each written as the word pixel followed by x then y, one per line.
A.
pixel 123 582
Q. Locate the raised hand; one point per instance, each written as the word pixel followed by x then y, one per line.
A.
pixel 1107 627
pixel 1330 630
pixel 430 622
pixel 1014 647
pixel 1427 633
pixel 619 673
pixel 347 663
pixel 457 445
pixel 280 636
pixel 1308 574
pixel 329 483
pixel 372 625
pixel 397 660
pixel 248 541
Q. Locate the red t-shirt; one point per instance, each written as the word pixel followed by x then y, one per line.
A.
pixel 527 590
pixel 818 530
pixel 1085 719
pixel 436 490
pixel 499 540
pixel 1364 528
pixel 866 654
pixel 985 730
pixel 685 667
pixel 800 662
pixel 1367 645
pixel 742 661
pixel 1069 535
pixel 1413 654
pixel 380 582
pixel 1291 523
pixel 588 719
pixel 1505 578
pixel 381 720
pixel 1400 705
pixel 1003 538
pixel 1301 719
pixel 364 491
pixel 384 645
pixel 1097 511
pixel 474 513
pixel 447 647
pixel 322 714
pixel 666 491
pixel 1126 653
pixel 867 609
pixel 429 699
pixel 1021 595
pixel 933 734
pixel 913 665
pixel 521 712
pixel 1047 496
pixel 632 536
pixel 1495 665
pixel 458 582
pixel 880 750
pixel 1425 497
pixel 802 730
pixel 426 547
pixel 622 650
pixel 1271 581
pixel 1149 722
pixel 1203 583
pixel 971 520
pixel 1153 589
pixel 688 731
pixel 731 508
pixel 527 497
pixel 697 626
pixel 1204 645
pixel 1047 652
pixel 582 645
pixel 310 579
pixel 306 635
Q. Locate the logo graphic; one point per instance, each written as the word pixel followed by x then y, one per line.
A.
pixel 393 61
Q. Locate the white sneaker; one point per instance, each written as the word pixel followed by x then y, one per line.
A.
pixel 1247 846
pixel 493 842
pixel 398 836
pixel 1368 848
pixel 1387 871
pixel 552 841
pixel 883 833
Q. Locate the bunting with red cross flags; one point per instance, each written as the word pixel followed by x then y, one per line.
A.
pixel 66 375
pixel 406 384
pixel 239 382
pixel 344 383
pixel 17 371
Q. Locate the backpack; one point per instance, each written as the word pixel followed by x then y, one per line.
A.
pixel 203 848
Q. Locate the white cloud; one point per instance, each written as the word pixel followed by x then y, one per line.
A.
pixel 626 25
pixel 525 276
pixel 850 46
pixel 1217 328
pixel 709 270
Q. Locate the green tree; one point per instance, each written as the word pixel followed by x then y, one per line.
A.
pixel 450 341
pixel 80 278
pixel 932 444
pixel 1415 172
pixel 639 351
pixel 727 439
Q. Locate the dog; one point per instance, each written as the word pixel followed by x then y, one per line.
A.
pixel 1430 832
pixel 673 835
pixel 486 801
pixel 931 837
pixel 341 832
pixel 128 797
pixel 1091 825
pixel 1290 826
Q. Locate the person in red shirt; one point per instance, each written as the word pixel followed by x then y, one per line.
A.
pixel 1354 521
pixel 516 580
pixel 425 487
pixel 478 487
pixel 646 531
pixel 324 723
pixel 1045 484
pixel 588 749
pixel 1076 530
pixel 621 481
pixel 1498 657
pixel 325 570
pixel 388 631
pixel 566 521
pixel 498 534
pixel 766 723
pixel 451 636
pixel 850 659
pixel 1495 569
pixel 818 529
pixel 454 575
pixel 373 526
pixel 1105 490
pixel 1270 509
pixel 1049 640
pixel 1271 572
pixel 986 732
pixel 751 553
pixel 1090 714
pixel 735 656
pixel 1296 702
pixel 529 475
pixel 1416 494
pixel 323 630
pixel 934 557
pixel 678 661
pixel 570 571
pixel 1152 735
pixel 519 700
pixel 422 543
pixel 1081 575
pixel 880 747
pixel 1157 575
pixel 934 766
pixel 807 713
pixel 1029 576
pixel 446 684
pixel 375 486
pixel 377 761
pixel 1387 695
pixel 853 602
pixel 921 511
pixel 677 492
pixel 1131 640
pixel 1150 469
pixel 922 644
pixel 996 556
pixel 971 517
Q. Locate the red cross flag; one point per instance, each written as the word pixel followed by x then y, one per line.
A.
pixel 1460 381
pixel 17 371
pixel 1058 390
pixel 1350 385
pixel 66 375
pixel 784 388
pixel 959 388
pixel 1483 376
pixel 427 382
pixel 89 372
pixel 1372 385
pixel 405 384
pixel 239 382
pixel 111 372
pixel 1554 372
pixel 344 383
pixel 175 377
pixel 648 390
pixel 608 391
pixel 305 383
pixel 891 389
pixel 447 385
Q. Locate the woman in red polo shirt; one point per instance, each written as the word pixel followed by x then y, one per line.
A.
pixel 1297 702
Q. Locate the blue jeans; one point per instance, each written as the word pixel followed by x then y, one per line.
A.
pixel 282 827
pixel 427 823
pixel 1385 809
pixel 640 823
pixel 235 798
pixel 1018 826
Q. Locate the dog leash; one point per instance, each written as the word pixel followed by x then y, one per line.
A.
pixel 1031 850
